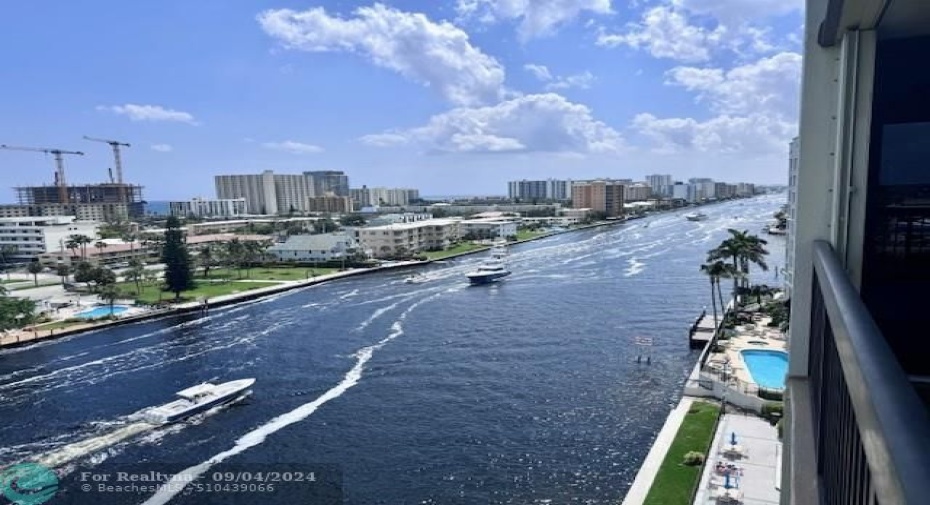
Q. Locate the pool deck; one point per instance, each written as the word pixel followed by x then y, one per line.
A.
pixel 759 466
pixel 756 336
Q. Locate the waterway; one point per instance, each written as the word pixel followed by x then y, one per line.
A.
pixel 526 391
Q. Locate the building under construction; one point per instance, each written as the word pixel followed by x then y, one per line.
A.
pixel 99 202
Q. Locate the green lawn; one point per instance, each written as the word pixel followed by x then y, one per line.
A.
pixel 266 273
pixel 528 234
pixel 152 294
pixel 59 325
pixel 452 251
pixel 674 481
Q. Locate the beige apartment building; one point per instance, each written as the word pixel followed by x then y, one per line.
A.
pixel 391 239
pixel 330 203
pixel 599 196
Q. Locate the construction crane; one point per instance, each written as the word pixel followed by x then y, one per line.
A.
pixel 117 162
pixel 59 164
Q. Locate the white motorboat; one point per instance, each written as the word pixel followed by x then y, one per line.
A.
pixel 696 216
pixel 415 279
pixel 492 269
pixel 197 399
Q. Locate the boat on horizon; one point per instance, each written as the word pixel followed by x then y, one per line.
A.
pixel 696 216
pixel 492 269
pixel 196 399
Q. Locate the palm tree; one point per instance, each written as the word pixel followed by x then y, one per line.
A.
pixel 713 271
pixel 80 241
pixel 100 246
pixel 741 249
pixel 109 293
pixel 136 273
pixel 35 268
pixel 73 245
pixel 63 271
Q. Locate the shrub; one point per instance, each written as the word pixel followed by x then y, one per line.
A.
pixel 771 394
pixel 693 458
pixel 772 411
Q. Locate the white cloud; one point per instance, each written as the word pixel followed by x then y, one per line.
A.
pixel 541 72
pixel 162 148
pixel 770 84
pixel 691 31
pixel 537 18
pixel 749 135
pixel 293 147
pixel 667 33
pixel 756 106
pixel 149 113
pixel 531 123
pixel 438 55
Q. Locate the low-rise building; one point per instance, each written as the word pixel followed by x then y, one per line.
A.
pixel 407 217
pixel 224 208
pixel 330 203
pixel 316 248
pixel 393 239
pixel 494 227
pixel 25 238
pixel 115 252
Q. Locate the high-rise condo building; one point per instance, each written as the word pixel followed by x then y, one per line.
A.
pixel 329 181
pixel 600 196
pixel 267 193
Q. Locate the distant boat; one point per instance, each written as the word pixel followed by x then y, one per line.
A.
pixel 197 399
pixel 415 279
pixel 492 269
pixel 696 216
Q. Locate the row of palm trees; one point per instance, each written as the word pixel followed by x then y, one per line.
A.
pixel 732 260
pixel 235 255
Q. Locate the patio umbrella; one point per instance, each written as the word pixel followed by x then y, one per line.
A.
pixel 732 438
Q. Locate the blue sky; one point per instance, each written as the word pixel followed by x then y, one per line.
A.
pixel 453 97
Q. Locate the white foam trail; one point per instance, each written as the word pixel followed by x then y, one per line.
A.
pixel 635 267
pixel 375 315
pixel 258 435
pixel 80 449
pixel 350 294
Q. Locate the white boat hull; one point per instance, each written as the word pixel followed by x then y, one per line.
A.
pixel 486 278
pixel 184 408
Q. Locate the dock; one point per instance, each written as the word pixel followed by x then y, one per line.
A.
pixel 702 331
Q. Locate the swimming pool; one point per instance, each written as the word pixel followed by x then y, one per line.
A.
pixel 102 311
pixel 767 367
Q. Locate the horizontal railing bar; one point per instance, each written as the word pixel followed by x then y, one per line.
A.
pixel 893 423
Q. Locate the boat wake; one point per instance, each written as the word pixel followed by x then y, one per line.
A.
pixel 258 435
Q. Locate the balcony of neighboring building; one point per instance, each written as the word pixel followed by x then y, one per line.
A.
pixel 857 423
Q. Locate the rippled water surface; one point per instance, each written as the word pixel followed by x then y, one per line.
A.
pixel 522 392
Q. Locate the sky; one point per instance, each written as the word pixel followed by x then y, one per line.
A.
pixel 450 97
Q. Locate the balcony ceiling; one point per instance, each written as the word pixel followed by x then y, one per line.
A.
pixel 905 18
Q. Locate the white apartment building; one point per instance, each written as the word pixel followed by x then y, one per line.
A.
pixel 488 228
pixel 660 184
pixel 267 193
pixel 793 159
pixel 680 191
pixel 317 248
pixel 388 197
pixel 33 236
pixel 234 207
pixel 549 189
pixel 636 192
pixel 388 240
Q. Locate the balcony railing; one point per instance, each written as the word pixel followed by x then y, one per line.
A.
pixel 871 431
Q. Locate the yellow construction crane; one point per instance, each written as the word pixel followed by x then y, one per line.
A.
pixel 59 163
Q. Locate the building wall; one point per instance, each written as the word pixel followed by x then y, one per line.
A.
pixel 599 196
pixel 434 234
pixel 208 208
pixel 330 203
pixel 328 181
pixel 794 150
pixel 33 236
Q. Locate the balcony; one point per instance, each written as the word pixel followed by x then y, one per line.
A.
pixel 860 433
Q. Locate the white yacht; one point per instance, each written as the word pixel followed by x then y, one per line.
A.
pixel 415 279
pixel 492 269
pixel 696 216
pixel 197 399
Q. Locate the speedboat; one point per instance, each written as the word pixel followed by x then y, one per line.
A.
pixel 415 279
pixel 696 216
pixel 491 269
pixel 196 399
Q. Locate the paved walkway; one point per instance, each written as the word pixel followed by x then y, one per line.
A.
pixel 757 477
pixel 647 472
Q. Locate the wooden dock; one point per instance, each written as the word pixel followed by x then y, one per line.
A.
pixel 702 331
